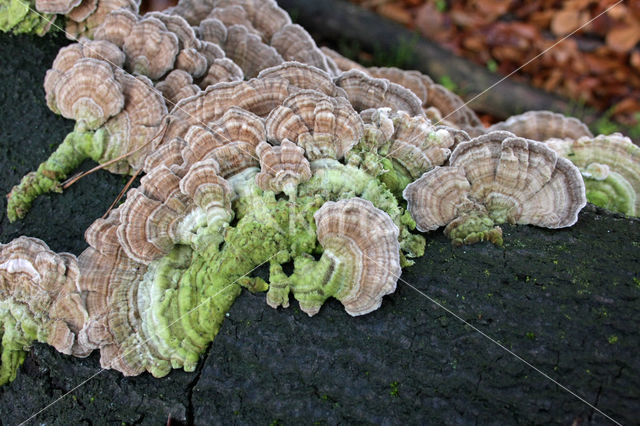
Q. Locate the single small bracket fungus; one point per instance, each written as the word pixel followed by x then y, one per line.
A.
pixel 493 179
pixel 282 167
pixel 39 301
pixel 360 262
pixel 89 93
pixel 151 49
pixel 543 125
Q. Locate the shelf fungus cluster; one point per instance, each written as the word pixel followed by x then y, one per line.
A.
pixel 243 173
pixel 257 147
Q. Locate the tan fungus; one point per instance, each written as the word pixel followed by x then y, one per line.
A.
pixel 116 27
pixel 45 285
pixel 177 85
pixel 88 26
pixel 56 6
pixel 88 92
pixel 282 167
pixel 81 12
pixel 249 52
pixel 222 70
pixel 294 43
pixel 501 177
pixel 325 127
pixel 543 125
pixel 366 92
pixel 150 48
pixel 362 240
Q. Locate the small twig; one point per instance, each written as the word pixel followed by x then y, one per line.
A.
pixel 67 183
pixel 121 194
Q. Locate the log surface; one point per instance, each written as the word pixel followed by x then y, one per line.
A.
pixel 567 301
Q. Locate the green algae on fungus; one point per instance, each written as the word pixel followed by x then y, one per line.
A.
pixel 165 267
pixel 294 166
pixel 180 297
pixel 493 179
pixel 360 262
pixel 120 119
pixel 610 164
pixel 39 301
pixel 19 17
pixel 610 167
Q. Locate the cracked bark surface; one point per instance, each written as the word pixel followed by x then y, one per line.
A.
pixel 568 301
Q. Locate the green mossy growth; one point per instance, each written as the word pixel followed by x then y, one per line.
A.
pixel 19 17
pixel 75 148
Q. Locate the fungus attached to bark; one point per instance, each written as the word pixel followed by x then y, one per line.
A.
pixel 360 262
pixel 610 167
pixel 493 179
pixel 89 93
pixel 39 301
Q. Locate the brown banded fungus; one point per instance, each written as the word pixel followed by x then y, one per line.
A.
pixel 282 167
pixel 366 92
pixel 325 127
pixel 399 148
pixel 151 49
pixel 543 125
pixel 493 179
pixel 131 131
pixel 295 44
pixel 610 167
pixel 177 85
pixel 90 14
pixel 89 93
pixel 39 301
pixel 258 95
pixel 360 262
pixel 249 52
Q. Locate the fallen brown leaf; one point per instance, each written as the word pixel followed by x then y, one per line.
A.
pixel 622 39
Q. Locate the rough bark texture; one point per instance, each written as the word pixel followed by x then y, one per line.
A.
pixel 567 301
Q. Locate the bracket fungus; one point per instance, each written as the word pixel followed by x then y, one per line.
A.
pixel 324 126
pixel 90 14
pixel 161 271
pixel 39 301
pixel 399 148
pixel 610 164
pixel 359 265
pixel 366 92
pixel 610 167
pixel 493 179
pixel 97 135
pixel 282 167
pixel 543 125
